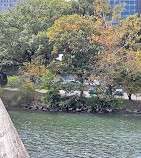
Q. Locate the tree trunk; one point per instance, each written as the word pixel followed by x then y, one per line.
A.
pixel 129 96
pixel 81 89
pixel 11 145
pixel 81 93
pixel 110 89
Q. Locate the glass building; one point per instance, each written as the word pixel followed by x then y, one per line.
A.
pixel 138 6
pixel 5 4
pixel 132 6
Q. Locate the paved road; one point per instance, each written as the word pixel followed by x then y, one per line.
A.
pixel 134 97
pixel 86 94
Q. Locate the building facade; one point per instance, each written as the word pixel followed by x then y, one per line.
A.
pixel 138 6
pixel 5 4
pixel 132 7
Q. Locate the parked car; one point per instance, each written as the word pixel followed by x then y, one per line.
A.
pixel 119 92
pixel 92 91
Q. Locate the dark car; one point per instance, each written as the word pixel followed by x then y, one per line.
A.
pixel 92 91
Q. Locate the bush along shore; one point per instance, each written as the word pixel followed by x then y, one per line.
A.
pixel 51 99
pixel 39 100
pixel 74 104
pixel 125 106
pixel 14 99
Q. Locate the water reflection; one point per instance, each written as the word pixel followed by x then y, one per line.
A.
pixel 79 136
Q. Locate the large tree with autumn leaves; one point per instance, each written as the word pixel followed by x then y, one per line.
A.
pixel 119 65
pixel 72 36
pixel 91 45
pixel 82 39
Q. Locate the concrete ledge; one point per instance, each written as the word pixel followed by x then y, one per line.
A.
pixel 11 145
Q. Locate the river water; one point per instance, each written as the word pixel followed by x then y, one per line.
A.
pixel 47 135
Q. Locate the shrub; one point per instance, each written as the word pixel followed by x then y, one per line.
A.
pixel 73 101
pixel 70 102
pixel 100 104
pixel 33 72
pixel 51 83
pixel 92 101
pixel 27 93
pixel 14 82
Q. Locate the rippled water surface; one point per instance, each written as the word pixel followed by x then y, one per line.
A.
pixel 78 135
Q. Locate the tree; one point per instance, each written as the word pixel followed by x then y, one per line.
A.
pixel 86 7
pixel 21 28
pixel 128 74
pixel 71 36
pixel 103 69
pixel 33 72
pixel 128 55
pixel 120 64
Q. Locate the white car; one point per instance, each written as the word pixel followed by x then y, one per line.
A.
pixel 119 92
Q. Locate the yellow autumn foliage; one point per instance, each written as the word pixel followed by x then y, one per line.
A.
pixel 28 85
pixel 34 69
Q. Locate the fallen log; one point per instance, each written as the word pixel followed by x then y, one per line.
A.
pixel 11 145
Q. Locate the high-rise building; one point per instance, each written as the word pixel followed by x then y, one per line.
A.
pixel 138 6
pixel 132 7
pixel 5 4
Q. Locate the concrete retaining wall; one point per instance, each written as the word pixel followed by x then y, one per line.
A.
pixel 11 145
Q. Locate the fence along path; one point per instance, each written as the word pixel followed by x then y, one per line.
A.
pixel 11 145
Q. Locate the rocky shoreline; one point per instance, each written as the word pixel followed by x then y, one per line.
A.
pixel 134 107
pixel 11 101
pixel 85 110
